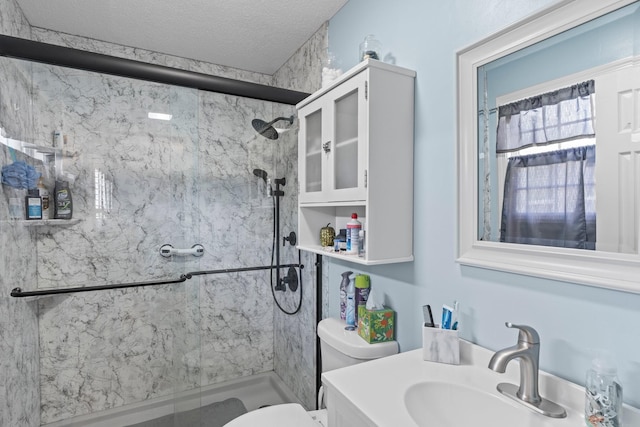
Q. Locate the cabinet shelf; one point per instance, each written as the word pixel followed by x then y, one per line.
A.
pixel 314 186
pixel 347 142
pixel 329 252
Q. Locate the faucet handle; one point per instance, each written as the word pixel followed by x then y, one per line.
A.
pixel 527 333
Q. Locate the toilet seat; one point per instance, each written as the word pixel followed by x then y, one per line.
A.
pixel 284 415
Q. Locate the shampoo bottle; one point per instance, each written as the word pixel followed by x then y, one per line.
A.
pixel 63 203
pixel 44 195
pixel 603 394
pixel 343 294
pixel 33 204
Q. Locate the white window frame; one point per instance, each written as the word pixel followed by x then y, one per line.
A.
pixel 610 270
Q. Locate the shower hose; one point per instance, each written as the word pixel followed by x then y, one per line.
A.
pixel 273 247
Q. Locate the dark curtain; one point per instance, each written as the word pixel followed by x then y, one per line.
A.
pixel 549 199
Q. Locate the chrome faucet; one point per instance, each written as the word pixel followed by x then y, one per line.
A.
pixel 528 351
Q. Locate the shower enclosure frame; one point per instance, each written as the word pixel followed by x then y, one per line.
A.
pixel 14 47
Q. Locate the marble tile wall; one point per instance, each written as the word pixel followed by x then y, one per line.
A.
pixel 19 373
pixel 137 185
pixel 295 336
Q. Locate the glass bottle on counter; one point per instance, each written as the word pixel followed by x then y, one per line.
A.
pixel 603 394
pixel 370 48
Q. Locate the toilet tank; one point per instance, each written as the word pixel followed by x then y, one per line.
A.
pixel 340 348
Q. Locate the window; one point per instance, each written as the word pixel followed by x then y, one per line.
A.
pixel 546 148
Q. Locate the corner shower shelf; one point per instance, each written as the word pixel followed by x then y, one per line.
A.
pixel 47 222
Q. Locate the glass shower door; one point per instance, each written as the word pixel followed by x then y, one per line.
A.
pixel 184 165
pixel 133 180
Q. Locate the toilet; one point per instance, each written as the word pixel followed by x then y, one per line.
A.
pixel 339 348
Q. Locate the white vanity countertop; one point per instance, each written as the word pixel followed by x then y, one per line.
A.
pixel 376 390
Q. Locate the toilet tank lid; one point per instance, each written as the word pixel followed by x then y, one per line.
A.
pixel 332 332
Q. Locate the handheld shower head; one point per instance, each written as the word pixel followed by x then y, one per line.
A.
pixel 260 173
pixel 266 129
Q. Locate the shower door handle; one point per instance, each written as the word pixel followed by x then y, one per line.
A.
pixel 326 146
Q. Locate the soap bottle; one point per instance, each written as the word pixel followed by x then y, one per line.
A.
pixel 33 204
pixel 16 203
pixel 340 241
pixel 353 234
pixel 343 294
pixel 44 195
pixel 351 307
pixel 361 252
pixel 63 203
pixel 603 394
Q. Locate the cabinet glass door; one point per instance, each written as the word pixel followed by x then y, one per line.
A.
pixel 347 164
pixel 346 142
pixel 331 145
pixel 313 152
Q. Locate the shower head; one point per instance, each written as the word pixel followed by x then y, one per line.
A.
pixel 260 173
pixel 266 129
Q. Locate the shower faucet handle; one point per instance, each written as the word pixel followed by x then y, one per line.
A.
pixel 291 239
pixel 326 146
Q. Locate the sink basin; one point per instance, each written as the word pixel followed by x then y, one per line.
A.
pixel 405 390
pixel 443 404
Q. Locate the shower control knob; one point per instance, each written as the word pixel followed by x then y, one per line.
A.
pixel 291 239
pixel 326 146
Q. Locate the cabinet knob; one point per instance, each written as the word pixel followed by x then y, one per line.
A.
pixel 326 146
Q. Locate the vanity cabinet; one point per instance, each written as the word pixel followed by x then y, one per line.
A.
pixel 355 155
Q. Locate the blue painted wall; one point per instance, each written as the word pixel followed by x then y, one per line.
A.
pixel 572 319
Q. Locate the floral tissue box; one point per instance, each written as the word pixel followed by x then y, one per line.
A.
pixel 376 325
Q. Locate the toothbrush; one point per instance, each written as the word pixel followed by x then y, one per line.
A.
pixel 455 315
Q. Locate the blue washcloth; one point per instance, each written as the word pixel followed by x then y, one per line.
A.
pixel 20 175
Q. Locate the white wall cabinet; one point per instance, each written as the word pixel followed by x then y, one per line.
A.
pixel 355 154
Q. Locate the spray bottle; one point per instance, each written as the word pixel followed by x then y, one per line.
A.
pixel 351 307
pixel 343 293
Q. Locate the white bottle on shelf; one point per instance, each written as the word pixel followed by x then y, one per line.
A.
pixel 353 234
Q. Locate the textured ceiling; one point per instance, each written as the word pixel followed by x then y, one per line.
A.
pixel 254 35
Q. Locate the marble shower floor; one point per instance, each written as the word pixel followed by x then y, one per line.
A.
pixel 254 391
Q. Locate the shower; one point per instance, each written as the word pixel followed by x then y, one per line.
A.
pixel 291 278
pixel 206 322
pixel 266 129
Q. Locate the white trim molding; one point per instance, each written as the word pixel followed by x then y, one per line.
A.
pixel 609 270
